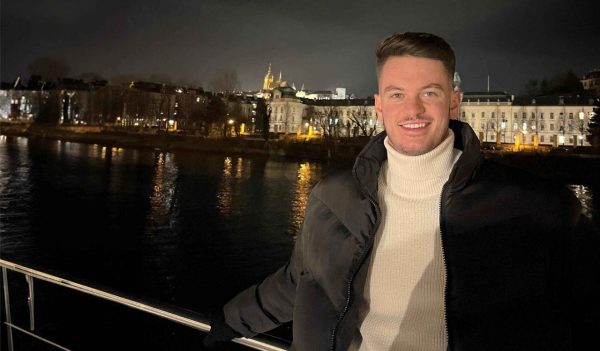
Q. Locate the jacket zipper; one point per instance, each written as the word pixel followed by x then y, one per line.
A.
pixel 355 270
pixel 442 222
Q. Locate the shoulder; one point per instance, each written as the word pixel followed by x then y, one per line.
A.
pixel 336 186
pixel 337 204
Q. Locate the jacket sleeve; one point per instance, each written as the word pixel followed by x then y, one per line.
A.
pixel 585 274
pixel 264 306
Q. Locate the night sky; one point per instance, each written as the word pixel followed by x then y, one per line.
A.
pixel 321 44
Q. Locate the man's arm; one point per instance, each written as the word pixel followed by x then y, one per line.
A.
pixel 264 306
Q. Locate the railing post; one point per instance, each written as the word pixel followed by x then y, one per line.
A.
pixel 7 310
pixel 30 302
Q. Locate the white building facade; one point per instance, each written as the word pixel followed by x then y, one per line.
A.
pixel 554 121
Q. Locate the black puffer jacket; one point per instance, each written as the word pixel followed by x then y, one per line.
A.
pixel 522 263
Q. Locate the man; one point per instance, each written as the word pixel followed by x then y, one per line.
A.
pixel 426 246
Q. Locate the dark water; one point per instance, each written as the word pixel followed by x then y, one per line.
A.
pixel 186 229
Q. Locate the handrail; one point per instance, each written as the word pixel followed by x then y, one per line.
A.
pixel 257 343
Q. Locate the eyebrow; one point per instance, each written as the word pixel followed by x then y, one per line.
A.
pixel 391 87
pixel 431 85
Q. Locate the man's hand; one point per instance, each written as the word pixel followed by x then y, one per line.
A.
pixel 220 332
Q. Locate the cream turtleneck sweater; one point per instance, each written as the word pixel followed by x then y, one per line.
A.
pixel 403 306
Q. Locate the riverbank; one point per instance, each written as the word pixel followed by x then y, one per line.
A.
pixel 295 149
pixel 573 165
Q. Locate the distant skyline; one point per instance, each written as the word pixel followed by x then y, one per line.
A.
pixel 321 44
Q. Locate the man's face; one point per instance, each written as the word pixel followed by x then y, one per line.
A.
pixel 415 102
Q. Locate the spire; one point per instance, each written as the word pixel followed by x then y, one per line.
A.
pixel 280 76
pixel 302 89
pixel 293 85
pixel 269 71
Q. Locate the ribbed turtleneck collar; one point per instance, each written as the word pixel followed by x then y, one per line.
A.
pixel 422 175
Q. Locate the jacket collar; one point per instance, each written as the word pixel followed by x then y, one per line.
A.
pixel 370 159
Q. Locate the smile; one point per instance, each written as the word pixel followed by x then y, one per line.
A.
pixel 414 125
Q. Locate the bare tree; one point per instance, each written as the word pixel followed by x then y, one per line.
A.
pixel 361 119
pixel 49 107
pixel 310 115
pixel 328 120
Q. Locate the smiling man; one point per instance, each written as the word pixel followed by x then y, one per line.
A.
pixel 424 245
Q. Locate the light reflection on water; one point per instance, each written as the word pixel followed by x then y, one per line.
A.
pixel 15 195
pixel 224 196
pixel 308 174
pixel 586 196
pixel 161 240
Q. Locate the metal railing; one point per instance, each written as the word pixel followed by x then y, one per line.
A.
pixel 196 322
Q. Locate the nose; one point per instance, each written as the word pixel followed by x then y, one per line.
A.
pixel 414 107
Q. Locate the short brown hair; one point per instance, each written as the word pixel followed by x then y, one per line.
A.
pixel 419 45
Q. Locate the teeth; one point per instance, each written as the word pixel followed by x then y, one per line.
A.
pixel 415 125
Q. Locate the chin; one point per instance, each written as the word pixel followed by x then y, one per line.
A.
pixel 412 151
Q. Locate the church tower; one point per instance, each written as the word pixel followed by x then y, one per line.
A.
pixel 268 82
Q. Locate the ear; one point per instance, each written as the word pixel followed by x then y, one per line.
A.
pixel 378 107
pixel 455 100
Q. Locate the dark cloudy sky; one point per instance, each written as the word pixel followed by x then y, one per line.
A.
pixel 322 44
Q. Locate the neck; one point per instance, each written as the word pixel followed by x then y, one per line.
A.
pixel 423 174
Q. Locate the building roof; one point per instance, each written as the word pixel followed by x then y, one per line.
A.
pixel 340 102
pixel 286 91
pixel 593 74
pixel 485 96
pixel 553 100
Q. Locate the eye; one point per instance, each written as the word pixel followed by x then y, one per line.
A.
pixel 396 95
pixel 431 93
